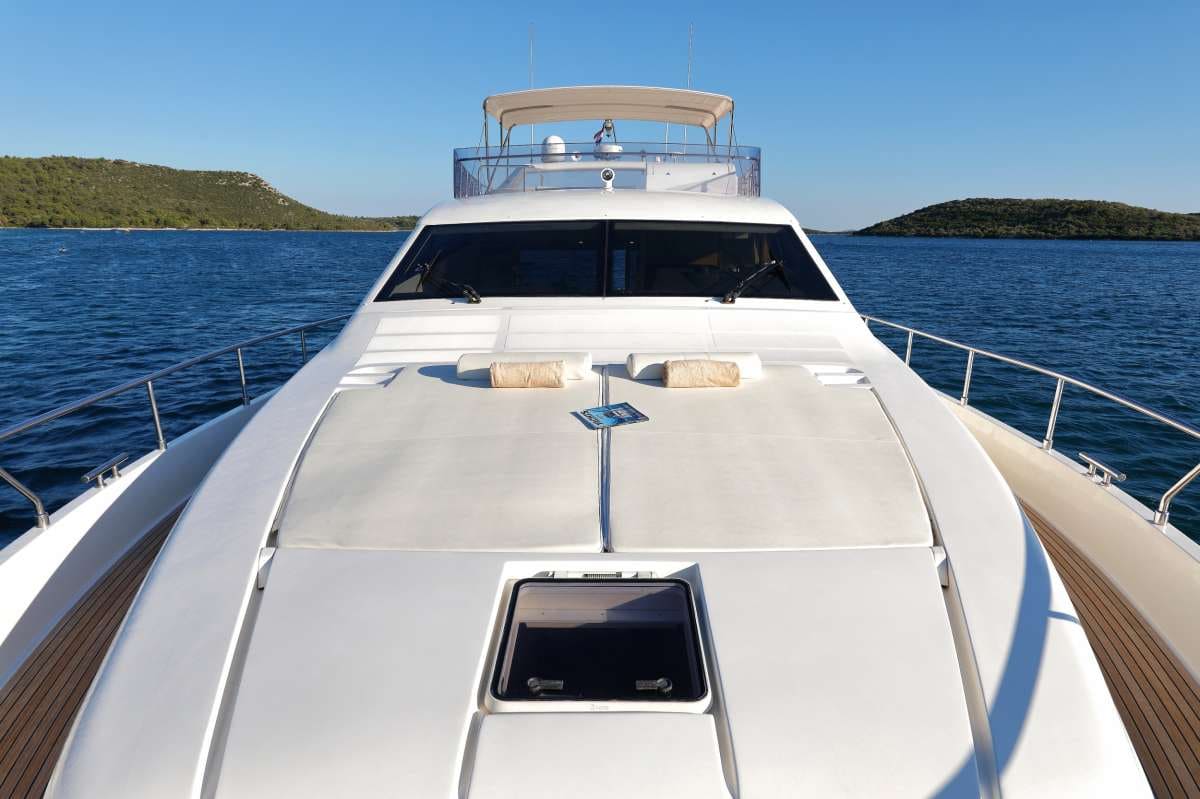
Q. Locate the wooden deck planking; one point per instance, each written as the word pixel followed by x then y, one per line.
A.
pixel 39 702
pixel 1156 697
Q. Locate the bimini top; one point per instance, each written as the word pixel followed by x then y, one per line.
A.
pixel 554 165
pixel 572 103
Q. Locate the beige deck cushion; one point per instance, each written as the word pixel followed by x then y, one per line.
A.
pixel 527 375
pixel 476 366
pixel 701 374
pixel 781 463
pixel 649 365
pixel 435 462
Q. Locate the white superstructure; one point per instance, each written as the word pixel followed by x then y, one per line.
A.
pixel 873 614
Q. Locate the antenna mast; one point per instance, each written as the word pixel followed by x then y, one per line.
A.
pixel 531 132
pixel 691 38
pixel 691 42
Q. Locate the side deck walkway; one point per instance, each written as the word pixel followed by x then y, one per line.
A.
pixel 39 703
pixel 1156 697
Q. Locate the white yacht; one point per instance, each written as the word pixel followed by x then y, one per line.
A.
pixel 423 567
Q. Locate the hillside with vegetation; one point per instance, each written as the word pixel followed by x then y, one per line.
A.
pixel 95 192
pixel 1040 219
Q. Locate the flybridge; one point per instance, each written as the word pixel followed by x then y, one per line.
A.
pixel 606 162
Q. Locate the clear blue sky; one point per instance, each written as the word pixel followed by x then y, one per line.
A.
pixel 864 110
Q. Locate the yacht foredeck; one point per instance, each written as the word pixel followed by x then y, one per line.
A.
pixel 874 614
pixel 1158 700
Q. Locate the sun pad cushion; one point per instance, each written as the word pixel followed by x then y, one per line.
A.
pixel 435 462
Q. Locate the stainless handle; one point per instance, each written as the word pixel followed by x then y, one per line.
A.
pixel 112 465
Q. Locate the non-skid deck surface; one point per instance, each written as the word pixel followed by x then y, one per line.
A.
pixel 39 703
pixel 1157 699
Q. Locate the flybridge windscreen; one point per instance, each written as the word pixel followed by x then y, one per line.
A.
pixel 640 259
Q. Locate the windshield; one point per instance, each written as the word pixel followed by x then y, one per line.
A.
pixel 596 259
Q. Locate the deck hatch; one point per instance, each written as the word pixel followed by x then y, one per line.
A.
pixel 596 640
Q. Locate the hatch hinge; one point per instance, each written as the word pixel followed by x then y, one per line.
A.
pixel 264 565
pixel 942 564
pixel 598 574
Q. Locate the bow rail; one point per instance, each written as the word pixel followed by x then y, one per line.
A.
pixel 43 518
pixel 1162 512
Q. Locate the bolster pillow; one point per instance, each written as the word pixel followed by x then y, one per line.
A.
pixel 543 374
pixel 700 374
pixel 649 365
pixel 477 365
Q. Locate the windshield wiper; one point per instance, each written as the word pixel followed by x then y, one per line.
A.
pixel 735 292
pixel 462 288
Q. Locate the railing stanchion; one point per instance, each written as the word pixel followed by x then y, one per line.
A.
pixel 303 347
pixel 908 350
pixel 158 431
pixel 1164 505
pixel 242 376
pixel 1048 441
pixel 43 519
pixel 967 378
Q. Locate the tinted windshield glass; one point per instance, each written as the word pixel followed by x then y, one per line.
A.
pixel 555 259
pixel 671 259
pixel 572 259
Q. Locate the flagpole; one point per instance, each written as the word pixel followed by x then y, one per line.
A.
pixel 691 36
pixel 532 138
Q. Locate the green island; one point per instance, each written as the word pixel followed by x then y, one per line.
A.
pixel 1040 219
pixel 60 191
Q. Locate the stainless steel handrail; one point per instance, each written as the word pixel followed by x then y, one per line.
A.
pixel 43 520
pixel 113 465
pixel 1101 472
pixel 1162 512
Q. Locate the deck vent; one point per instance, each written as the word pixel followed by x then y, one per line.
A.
pixel 828 374
pixel 370 376
pixel 600 640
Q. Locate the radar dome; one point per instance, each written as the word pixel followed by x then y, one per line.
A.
pixel 553 148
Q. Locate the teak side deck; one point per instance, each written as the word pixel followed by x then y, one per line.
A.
pixel 1157 699
pixel 39 702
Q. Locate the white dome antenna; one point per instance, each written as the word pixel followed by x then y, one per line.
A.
pixel 553 149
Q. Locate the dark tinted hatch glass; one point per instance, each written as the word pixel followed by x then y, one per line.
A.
pixel 632 640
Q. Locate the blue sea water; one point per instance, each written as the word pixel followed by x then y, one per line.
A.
pixel 84 310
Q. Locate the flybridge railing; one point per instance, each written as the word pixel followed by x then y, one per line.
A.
pixel 43 518
pixel 1101 473
pixel 731 170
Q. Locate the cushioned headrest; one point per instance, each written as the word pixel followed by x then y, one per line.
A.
pixel 477 365
pixel 649 365
pixel 527 374
pixel 701 373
